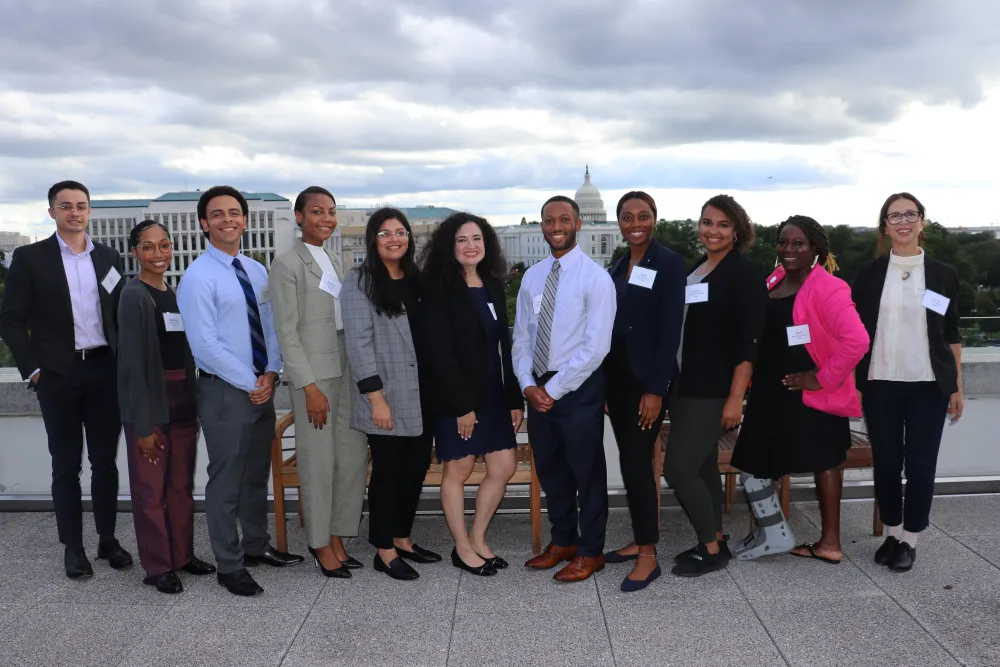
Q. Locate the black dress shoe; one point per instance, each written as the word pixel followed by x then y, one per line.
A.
pixel 111 551
pixel 273 557
pixel 77 565
pixel 337 573
pixel 419 555
pixel 397 569
pixel 495 562
pixel 884 553
pixel 352 563
pixel 165 583
pixel 484 570
pixel 240 583
pixel 902 557
pixel 199 568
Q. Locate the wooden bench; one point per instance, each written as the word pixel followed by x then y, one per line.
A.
pixel 285 475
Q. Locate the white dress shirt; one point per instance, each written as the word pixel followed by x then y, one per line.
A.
pixel 901 351
pixel 581 324
pixel 88 323
pixel 326 266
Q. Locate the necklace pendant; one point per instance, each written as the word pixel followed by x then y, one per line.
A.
pixel 906 275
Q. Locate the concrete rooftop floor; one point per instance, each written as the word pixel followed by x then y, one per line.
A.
pixel 785 611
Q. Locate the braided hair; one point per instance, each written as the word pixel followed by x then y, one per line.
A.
pixel 818 239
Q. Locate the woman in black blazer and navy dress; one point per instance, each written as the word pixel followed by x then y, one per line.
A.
pixel 476 399
pixel 912 377
pixel 649 282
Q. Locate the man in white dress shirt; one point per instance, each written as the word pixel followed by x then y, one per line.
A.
pixel 565 313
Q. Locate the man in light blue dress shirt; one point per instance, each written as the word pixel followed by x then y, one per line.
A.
pixel 225 305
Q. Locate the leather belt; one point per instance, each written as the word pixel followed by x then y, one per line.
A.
pixel 540 380
pixel 212 376
pixel 83 355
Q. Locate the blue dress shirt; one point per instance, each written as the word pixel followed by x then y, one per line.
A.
pixel 214 310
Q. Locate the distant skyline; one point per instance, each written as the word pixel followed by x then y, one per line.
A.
pixel 815 108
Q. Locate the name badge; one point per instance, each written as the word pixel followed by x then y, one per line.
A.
pixel 936 302
pixel 330 285
pixel 536 304
pixel 696 293
pixel 642 277
pixel 798 335
pixel 493 310
pixel 111 280
pixel 264 295
pixel 173 321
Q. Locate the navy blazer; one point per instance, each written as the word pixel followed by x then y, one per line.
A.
pixel 652 318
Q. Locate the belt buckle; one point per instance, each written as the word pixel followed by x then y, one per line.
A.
pixel 83 355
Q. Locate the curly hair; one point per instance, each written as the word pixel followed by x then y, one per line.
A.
pixel 743 229
pixel 373 276
pixel 818 239
pixel 440 268
pixel 883 243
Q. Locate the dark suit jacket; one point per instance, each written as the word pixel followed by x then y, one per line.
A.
pixel 723 332
pixel 942 330
pixel 652 318
pixel 457 350
pixel 36 316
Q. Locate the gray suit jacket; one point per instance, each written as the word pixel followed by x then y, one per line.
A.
pixel 303 317
pixel 383 346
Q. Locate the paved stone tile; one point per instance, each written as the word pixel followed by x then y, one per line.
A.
pixel 986 547
pixel 967 515
pixel 27 534
pixel 289 586
pixel 855 517
pixel 26 580
pixel 787 576
pixel 11 612
pixel 964 622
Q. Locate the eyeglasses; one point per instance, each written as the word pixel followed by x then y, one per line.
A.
pixel 399 234
pixel 164 246
pixel 66 208
pixel 899 218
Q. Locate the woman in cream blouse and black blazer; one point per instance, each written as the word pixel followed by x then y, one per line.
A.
pixel 912 377
pixel 305 286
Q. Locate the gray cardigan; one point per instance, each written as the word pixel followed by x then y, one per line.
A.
pixel 142 394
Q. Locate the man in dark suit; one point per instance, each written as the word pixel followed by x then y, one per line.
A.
pixel 59 319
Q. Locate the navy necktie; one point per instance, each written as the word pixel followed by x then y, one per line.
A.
pixel 253 314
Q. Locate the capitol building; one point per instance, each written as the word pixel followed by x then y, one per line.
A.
pixel 597 237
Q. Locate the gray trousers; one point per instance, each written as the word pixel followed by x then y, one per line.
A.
pixel 238 436
pixel 333 462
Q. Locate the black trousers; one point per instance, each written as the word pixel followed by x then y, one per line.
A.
pixel 399 465
pixel 635 452
pixel 568 445
pixel 905 422
pixel 85 400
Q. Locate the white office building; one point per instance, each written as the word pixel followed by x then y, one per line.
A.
pixel 9 242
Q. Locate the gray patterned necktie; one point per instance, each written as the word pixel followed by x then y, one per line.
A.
pixel 543 336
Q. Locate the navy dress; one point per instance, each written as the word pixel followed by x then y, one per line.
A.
pixel 494 430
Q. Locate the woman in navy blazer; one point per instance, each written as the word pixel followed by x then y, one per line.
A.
pixel 649 282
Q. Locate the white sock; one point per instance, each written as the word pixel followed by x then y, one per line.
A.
pixel 894 531
pixel 910 538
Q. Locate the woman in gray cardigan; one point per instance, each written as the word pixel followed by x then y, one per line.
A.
pixel 156 396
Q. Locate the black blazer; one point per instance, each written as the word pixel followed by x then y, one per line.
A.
pixel 942 330
pixel 723 332
pixel 652 318
pixel 457 351
pixel 36 315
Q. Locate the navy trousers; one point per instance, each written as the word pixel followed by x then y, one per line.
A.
pixel 568 445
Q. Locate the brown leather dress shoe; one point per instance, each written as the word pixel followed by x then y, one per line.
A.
pixel 552 556
pixel 580 568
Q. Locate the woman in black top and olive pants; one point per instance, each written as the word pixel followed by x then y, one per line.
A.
pixel 725 304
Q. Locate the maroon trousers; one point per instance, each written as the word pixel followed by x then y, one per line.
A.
pixel 162 502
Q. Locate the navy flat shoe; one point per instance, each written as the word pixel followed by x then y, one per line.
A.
pixel 614 557
pixel 633 585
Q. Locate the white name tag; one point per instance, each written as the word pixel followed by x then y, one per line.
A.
pixel 111 280
pixel 936 302
pixel 330 285
pixel 696 293
pixel 173 321
pixel 493 310
pixel 642 277
pixel 536 304
pixel 799 335
pixel 264 295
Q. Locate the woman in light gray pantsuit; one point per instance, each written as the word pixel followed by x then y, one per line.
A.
pixel 332 458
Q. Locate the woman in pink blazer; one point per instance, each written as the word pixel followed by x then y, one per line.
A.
pixel 802 392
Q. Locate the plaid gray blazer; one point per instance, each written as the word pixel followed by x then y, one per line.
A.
pixel 383 346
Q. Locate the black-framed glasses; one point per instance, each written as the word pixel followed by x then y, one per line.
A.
pixel 66 208
pixel 399 234
pixel 900 218
pixel 149 247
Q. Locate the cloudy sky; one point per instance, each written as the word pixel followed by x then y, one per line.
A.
pixel 793 106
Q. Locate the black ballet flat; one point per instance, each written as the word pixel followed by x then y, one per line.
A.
pixel 495 562
pixel 484 570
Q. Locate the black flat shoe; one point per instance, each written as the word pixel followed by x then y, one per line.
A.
pixel 884 553
pixel 723 549
pixel 352 563
pixel 484 570
pixel 199 568
pixel 700 563
pixel 902 557
pixel 273 557
pixel 111 551
pixel 419 555
pixel 240 583
pixel 165 583
pixel 397 569
pixel 77 564
pixel 496 562
pixel 338 573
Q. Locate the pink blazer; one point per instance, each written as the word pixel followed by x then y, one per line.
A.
pixel 839 339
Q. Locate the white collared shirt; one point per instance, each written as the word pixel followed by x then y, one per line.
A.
pixel 88 323
pixel 901 351
pixel 326 266
pixel 581 324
